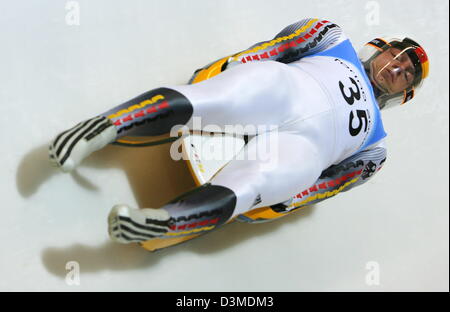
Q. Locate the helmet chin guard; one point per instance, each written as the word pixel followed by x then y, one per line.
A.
pixel 416 57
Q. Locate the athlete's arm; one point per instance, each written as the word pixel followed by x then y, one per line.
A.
pixel 367 163
pixel 350 173
pixel 295 41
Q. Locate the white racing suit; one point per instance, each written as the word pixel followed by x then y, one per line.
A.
pixel 308 85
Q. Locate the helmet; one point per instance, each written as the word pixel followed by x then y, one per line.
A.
pixel 396 68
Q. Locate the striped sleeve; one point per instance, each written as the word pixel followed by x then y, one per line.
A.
pixel 369 162
pixel 348 174
pixel 306 37
pixel 344 176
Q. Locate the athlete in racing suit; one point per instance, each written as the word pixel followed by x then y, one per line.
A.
pixel 308 84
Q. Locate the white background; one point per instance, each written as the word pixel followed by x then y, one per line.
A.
pixel 53 75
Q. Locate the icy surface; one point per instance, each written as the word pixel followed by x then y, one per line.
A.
pixel 53 75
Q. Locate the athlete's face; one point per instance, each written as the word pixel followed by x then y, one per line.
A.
pixel 393 70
